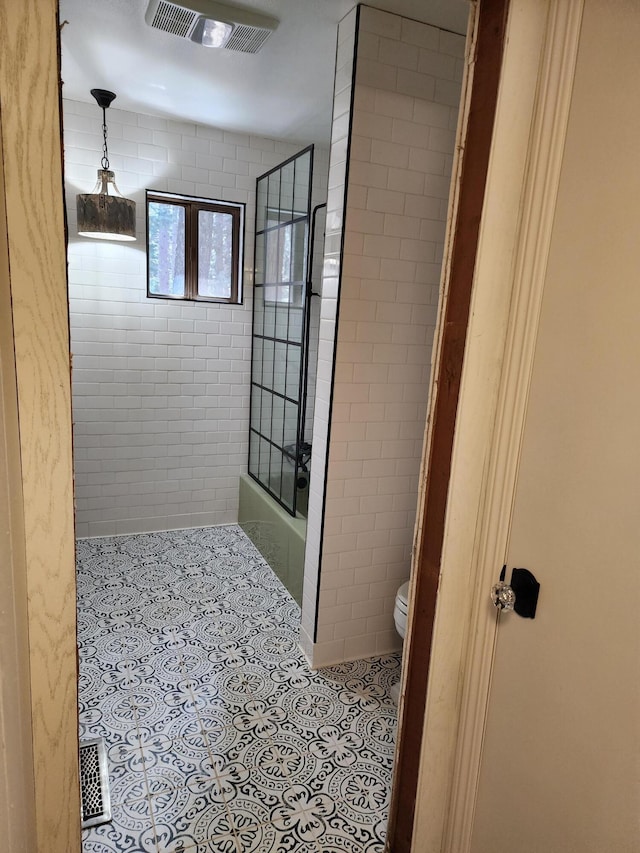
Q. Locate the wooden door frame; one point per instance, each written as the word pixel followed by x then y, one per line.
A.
pixel 484 51
pixel 44 799
pixel 522 184
pixel 17 794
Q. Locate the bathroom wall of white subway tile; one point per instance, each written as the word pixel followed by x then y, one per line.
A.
pixel 327 324
pixel 405 109
pixel 160 388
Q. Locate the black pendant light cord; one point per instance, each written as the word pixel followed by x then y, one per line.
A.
pixel 105 152
pixel 104 98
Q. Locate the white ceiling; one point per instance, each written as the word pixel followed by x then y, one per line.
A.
pixel 284 91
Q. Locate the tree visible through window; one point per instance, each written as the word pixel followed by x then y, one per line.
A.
pixel 193 248
pixel 285 250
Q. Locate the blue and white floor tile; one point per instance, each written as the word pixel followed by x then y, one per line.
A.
pixel 219 737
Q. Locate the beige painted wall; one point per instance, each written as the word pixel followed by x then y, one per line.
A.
pixel 552 484
pixel 561 763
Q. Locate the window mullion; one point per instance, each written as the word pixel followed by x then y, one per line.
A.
pixel 235 239
pixel 191 253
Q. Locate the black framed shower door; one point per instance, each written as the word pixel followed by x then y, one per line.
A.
pixel 276 446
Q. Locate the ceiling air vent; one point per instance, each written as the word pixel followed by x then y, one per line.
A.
pixel 173 19
pixel 212 24
pixel 247 39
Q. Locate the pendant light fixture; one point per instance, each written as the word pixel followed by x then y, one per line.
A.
pixel 105 213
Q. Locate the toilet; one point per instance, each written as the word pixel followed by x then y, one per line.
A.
pixel 400 609
pixel 400 618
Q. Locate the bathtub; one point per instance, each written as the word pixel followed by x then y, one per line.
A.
pixel 278 536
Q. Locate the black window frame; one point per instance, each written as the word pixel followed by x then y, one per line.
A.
pixel 192 206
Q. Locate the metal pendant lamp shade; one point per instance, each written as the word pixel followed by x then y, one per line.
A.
pixel 105 213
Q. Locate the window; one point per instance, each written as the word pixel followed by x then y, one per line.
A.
pixel 194 248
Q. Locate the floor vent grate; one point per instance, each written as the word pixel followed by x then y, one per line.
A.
pixel 94 783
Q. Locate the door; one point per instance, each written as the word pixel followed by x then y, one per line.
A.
pixel 560 768
pixel 277 364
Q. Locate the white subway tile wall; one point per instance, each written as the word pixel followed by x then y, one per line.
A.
pixel 327 315
pixel 407 89
pixel 160 387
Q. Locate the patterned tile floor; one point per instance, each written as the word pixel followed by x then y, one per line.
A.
pixel 219 737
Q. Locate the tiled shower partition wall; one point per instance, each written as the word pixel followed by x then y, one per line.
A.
pixel 160 387
pixel 405 110
pixel 338 154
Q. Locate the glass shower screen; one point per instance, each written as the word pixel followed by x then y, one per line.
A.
pixel 283 204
